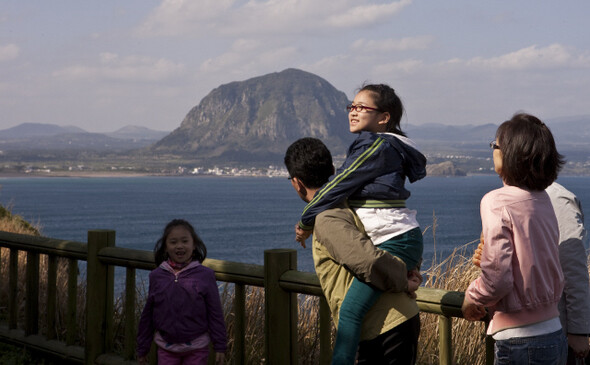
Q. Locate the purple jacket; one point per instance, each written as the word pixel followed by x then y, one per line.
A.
pixel 182 306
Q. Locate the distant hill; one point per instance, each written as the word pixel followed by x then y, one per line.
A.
pixel 40 137
pixel 31 130
pixel 571 136
pixel 253 121
pixel 256 119
pixel 138 133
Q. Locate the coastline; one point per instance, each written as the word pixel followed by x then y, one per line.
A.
pixel 77 174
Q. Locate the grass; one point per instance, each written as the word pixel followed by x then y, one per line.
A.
pixel 454 272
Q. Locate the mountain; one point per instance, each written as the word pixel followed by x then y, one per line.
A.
pixel 137 133
pixel 256 119
pixel 41 137
pixel 31 130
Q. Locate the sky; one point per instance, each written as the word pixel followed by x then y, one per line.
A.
pixel 102 65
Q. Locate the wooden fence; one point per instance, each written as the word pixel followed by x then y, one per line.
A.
pixel 279 277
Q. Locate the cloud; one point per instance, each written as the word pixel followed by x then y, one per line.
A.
pixel 9 52
pixel 392 45
pixel 533 58
pixel 130 68
pixel 248 54
pixel 363 14
pixel 264 17
pixel 406 66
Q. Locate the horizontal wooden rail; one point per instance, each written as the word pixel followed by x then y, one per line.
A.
pixel 289 282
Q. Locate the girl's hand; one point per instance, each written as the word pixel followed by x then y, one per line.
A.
pixel 219 358
pixel 301 235
pixel 476 259
pixel 471 311
pixel 414 281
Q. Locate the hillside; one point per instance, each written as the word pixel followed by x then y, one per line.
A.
pixel 256 119
pixel 250 124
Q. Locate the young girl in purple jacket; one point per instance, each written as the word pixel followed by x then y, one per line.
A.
pixel 183 312
pixel 521 279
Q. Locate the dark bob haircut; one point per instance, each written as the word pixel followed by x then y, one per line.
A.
pixel 529 157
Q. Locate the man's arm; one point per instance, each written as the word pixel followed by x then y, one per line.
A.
pixel 337 229
pixel 572 256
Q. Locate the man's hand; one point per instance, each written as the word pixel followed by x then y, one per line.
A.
pixel 414 281
pixel 579 344
pixel 143 360
pixel 301 235
pixel 219 358
pixel 471 311
pixel 476 259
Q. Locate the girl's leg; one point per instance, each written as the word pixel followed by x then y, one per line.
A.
pixel 196 357
pixel 168 358
pixel 359 299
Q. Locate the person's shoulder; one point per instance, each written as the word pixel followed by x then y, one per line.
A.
pixel 157 273
pixel 329 218
pixel 341 209
pixel 365 137
pixel 501 196
pixel 202 269
pixel 557 191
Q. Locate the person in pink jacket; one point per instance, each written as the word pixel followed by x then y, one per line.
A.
pixel 521 280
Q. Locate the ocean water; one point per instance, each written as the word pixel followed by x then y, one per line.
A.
pixel 237 218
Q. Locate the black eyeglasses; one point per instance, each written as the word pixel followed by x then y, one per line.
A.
pixel 494 145
pixel 360 108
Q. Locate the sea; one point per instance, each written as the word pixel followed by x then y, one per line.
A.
pixel 238 218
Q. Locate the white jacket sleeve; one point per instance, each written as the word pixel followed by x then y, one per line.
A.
pixel 574 306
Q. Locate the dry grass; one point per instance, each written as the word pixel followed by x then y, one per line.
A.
pixel 451 273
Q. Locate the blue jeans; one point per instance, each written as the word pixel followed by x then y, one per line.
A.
pixel 549 349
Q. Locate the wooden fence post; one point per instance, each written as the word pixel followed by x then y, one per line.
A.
pixel 13 289
pixel 99 291
pixel 445 340
pixel 32 294
pixel 280 327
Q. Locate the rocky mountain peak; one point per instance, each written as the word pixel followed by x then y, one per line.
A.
pixel 258 118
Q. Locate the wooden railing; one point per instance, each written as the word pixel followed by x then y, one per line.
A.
pixel 279 277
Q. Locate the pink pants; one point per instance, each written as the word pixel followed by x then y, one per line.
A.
pixel 195 357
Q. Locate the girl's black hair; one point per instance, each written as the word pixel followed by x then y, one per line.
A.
pixel 199 253
pixel 388 101
pixel 529 157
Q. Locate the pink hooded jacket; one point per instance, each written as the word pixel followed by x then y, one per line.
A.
pixel 521 279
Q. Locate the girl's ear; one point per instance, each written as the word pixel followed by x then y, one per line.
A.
pixel 385 119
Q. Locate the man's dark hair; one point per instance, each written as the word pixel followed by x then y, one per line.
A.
pixel 529 157
pixel 309 160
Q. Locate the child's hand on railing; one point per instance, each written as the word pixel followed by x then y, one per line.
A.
pixel 414 281
pixel 472 311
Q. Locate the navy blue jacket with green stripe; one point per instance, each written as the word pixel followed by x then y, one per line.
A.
pixel 373 175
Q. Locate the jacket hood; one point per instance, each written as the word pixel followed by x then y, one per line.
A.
pixel 414 160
